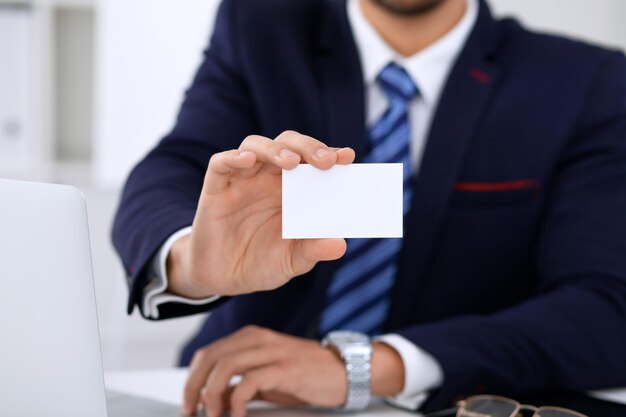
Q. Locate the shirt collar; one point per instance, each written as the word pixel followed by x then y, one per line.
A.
pixel 428 68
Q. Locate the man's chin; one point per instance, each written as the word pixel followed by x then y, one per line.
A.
pixel 408 8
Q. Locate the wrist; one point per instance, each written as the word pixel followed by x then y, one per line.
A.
pixel 355 350
pixel 387 371
pixel 178 266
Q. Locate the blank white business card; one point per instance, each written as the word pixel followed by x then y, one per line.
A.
pixel 347 201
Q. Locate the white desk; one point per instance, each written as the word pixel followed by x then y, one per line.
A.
pixel 166 385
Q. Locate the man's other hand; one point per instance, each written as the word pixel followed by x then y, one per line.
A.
pixel 236 244
pixel 278 368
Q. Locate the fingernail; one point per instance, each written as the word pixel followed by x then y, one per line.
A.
pixel 245 153
pixel 286 154
pixel 321 153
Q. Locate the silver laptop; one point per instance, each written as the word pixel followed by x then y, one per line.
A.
pixel 50 362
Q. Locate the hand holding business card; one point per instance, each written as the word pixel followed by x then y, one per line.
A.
pixel 347 201
pixel 242 231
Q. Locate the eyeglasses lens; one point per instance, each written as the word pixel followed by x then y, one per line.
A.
pixel 493 407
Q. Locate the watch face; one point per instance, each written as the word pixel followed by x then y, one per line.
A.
pixel 347 337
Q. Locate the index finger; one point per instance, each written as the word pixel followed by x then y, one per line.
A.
pixel 313 151
pixel 345 156
pixel 222 165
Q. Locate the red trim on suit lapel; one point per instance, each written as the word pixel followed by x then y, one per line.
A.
pixel 478 187
pixel 480 76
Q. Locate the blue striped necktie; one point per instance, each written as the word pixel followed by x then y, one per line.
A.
pixel 358 296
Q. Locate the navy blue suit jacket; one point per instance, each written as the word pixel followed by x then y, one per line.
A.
pixel 513 269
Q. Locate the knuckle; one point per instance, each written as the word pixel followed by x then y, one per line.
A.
pixel 220 159
pixel 250 139
pixel 264 335
pixel 261 334
pixel 250 329
pixel 209 394
pixel 224 365
pixel 215 159
pixel 314 146
pixel 202 355
pixel 286 135
pixel 199 354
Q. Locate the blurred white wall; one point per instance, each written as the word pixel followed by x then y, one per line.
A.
pixel 600 21
pixel 148 51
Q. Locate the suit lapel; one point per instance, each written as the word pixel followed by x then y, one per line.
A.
pixel 460 108
pixel 341 80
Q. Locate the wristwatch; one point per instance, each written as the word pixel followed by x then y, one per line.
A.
pixel 356 351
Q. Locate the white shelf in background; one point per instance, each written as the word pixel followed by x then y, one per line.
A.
pixel 19 149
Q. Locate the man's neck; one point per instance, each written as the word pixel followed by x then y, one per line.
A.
pixel 409 35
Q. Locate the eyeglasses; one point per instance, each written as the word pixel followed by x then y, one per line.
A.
pixel 492 406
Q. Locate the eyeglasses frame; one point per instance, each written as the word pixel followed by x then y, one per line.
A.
pixel 462 412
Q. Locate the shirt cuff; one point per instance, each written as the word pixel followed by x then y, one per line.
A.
pixel 422 372
pixel 155 292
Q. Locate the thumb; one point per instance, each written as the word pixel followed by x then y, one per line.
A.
pixel 308 252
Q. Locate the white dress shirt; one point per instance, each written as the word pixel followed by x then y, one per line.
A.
pixel 429 69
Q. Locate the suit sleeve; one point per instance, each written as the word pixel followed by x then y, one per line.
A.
pixel 161 194
pixel 572 334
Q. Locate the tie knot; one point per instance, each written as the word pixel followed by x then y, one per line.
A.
pixel 397 83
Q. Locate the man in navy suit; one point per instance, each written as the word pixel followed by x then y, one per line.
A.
pixel 511 277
